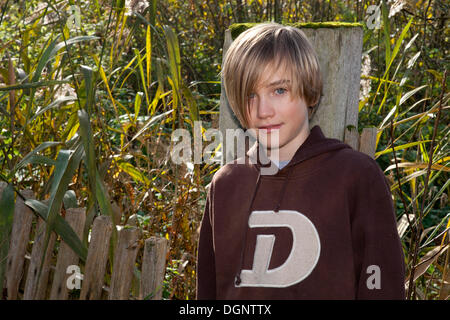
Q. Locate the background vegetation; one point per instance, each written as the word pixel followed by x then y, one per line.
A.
pixel 90 92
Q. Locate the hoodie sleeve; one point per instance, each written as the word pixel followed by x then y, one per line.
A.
pixel 206 267
pixel 378 254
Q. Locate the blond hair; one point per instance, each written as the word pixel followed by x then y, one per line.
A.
pixel 270 44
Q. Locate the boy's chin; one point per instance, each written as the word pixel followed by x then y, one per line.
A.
pixel 268 145
pixel 269 142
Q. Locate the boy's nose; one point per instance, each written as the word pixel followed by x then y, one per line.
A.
pixel 265 109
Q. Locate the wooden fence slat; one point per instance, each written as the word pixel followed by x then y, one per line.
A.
pixel 3 186
pixel 133 221
pixel 117 213
pixel 96 259
pixel 135 283
pixel 20 235
pixel 36 288
pixel 76 218
pixel 153 267
pixel 125 257
pixel 368 141
pixel 351 137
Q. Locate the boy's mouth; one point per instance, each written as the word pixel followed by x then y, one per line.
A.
pixel 271 127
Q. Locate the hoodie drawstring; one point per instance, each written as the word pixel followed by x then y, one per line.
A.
pixel 283 190
pixel 238 280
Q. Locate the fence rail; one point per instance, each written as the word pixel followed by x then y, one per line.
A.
pixel 61 275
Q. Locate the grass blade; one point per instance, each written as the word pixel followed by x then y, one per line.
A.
pixel 52 105
pixel 88 143
pixel 67 163
pixel 141 72
pixel 61 227
pixel 403 146
pixel 134 172
pixel 149 123
pixel 70 199
pixel 88 86
pixel 28 158
pixel 6 219
pixel 33 85
pixel 174 55
pixel 408 95
pixel 137 105
pixel 68 42
pixel 192 104
pixel 45 58
pixel 104 203
pixel 174 67
pixel 148 50
pixel 387 31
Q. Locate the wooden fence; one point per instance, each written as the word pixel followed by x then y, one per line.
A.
pixel 63 276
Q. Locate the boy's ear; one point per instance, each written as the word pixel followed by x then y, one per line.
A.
pixel 311 111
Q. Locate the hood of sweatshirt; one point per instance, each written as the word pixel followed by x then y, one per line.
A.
pixel 315 144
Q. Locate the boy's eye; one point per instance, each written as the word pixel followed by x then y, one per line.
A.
pixel 280 90
pixel 251 95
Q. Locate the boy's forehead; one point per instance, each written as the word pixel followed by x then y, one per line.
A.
pixel 273 75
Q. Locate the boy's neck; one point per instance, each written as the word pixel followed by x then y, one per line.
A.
pixel 287 152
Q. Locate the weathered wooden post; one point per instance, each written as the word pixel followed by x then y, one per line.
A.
pixel 4 237
pixel 153 267
pixel 35 285
pixel 20 234
pixel 339 49
pixel 76 218
pixel 124 258
pixel 97 258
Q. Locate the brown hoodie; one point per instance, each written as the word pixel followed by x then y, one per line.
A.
pixel 323 227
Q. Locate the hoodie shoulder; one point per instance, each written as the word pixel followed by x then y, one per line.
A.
pixel 355 157
pixel 358 163
pixel 234 171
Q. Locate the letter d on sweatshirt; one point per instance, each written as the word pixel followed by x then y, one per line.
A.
pixel 302 259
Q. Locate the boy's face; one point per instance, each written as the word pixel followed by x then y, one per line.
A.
pixel 274 108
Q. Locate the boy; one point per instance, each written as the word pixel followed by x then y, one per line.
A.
pixel 323 226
